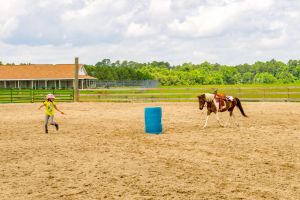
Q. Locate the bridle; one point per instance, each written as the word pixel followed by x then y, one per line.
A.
pixel 204 104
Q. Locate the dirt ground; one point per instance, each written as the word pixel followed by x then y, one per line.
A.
pixel 102 152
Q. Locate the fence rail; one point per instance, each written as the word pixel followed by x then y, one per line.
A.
pixel 127 83
pixel 290 93
pixel 31 95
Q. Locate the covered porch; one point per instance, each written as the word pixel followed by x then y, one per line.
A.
pixel 47 84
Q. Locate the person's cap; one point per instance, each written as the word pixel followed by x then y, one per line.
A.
pixel 50 96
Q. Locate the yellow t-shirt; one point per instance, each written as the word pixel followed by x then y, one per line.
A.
pixel 49 107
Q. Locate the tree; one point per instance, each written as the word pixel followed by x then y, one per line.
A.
pixel 230 75
pixel 242 69
pixel 247 78
pixel 265 78
pixel 285 77
pixel 296 71
pixel 214 78
pixel 293 63
pixel 90 69
pixel 104 62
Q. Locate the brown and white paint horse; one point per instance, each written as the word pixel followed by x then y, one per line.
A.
pixel 213 106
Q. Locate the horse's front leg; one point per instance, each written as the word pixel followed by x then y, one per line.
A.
pixel 205 124
pixel 218 119
pixel 207 116
pixel 217 114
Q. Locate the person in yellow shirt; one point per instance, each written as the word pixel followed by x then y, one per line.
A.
pixel 50 105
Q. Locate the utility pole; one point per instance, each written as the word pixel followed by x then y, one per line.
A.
pixel 75 86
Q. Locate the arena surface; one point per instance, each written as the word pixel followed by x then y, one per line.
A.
pixel 102 152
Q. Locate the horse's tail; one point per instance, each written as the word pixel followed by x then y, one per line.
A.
pixel 239 105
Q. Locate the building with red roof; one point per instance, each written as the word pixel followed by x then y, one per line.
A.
pixel 44 76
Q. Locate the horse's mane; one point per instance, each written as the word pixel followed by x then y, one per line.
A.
pixel 209 97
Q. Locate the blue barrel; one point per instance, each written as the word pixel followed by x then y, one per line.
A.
pixel 153 123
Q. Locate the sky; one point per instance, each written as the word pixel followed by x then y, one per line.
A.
pixel 228 32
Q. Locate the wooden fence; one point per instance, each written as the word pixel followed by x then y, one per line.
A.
pixel 32 95
pixel 291 94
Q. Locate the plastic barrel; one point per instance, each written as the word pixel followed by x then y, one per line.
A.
pixel 153 123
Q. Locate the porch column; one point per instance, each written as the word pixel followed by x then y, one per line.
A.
pixel 46 84
pixel 18 84
pixel 55 84
pixel 82 83
pixel 4 84
pixel 32 84
pixel 59 84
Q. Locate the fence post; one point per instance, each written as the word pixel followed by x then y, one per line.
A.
pixel 11 97
pixel 76 91
pixel 32 95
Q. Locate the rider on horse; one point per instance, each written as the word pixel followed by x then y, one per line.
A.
pixel 220 98
pixel 219 95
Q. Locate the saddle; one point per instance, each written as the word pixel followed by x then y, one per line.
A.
pixel 221 99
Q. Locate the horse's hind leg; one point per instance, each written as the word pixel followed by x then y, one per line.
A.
pixel 235 121
pixel 230 115
pixel 218 119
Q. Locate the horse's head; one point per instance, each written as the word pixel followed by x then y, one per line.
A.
pixel 202 101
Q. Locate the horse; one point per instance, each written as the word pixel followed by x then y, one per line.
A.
pixel 219 105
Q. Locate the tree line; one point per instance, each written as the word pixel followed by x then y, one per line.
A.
pixel 198 74
pixel 206 73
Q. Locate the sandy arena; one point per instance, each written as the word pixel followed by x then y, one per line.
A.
pixel 102 152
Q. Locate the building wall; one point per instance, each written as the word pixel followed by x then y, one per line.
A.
pixel 42 84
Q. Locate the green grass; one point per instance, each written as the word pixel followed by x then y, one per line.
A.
pixel 247 92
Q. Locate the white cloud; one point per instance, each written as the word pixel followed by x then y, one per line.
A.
pixel 273 42
pixel 7 27
pixel 138 30
pixel 10 20
pixel 159 7
pixel 211 20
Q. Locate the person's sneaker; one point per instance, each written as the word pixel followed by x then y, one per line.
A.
pixel 56 126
